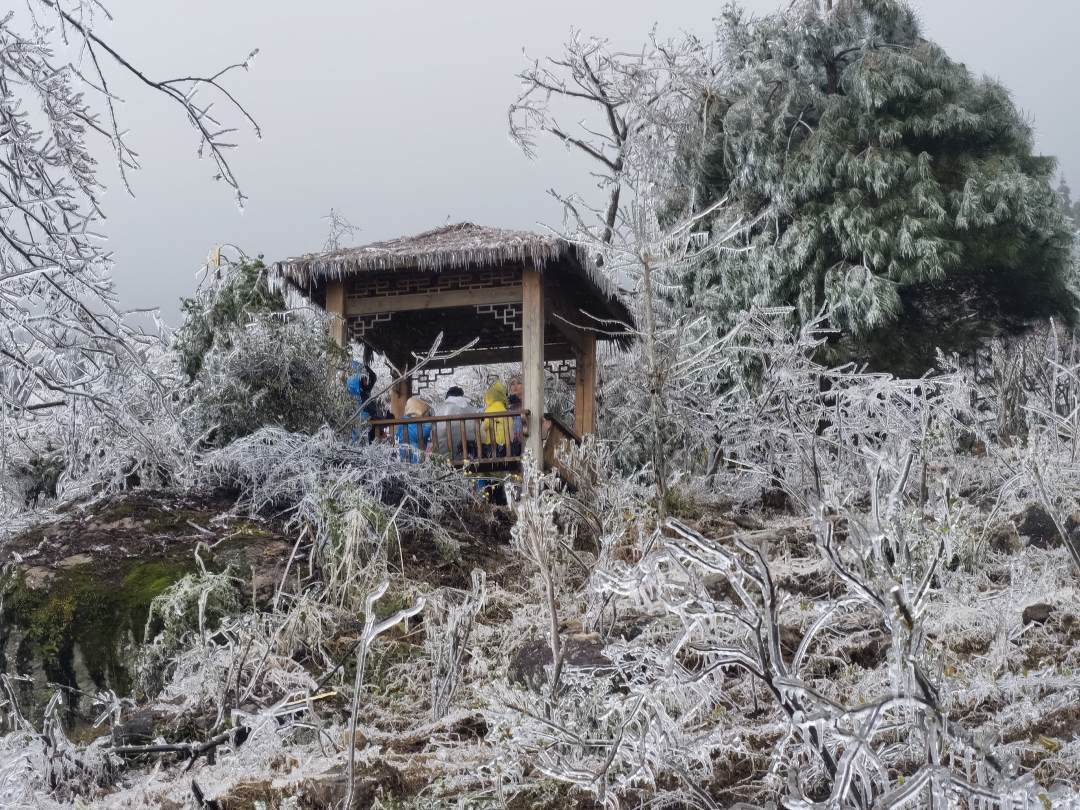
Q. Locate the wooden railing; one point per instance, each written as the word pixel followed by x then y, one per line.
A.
pixel 556 439
pixel 466 448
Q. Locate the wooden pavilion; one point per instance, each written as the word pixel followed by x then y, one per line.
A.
pixel 524 297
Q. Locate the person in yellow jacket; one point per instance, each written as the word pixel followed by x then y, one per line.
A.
pixel 495 433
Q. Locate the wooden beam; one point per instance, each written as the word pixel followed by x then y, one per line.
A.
pixel 532 360
pixel 510 294
pixel 570 334
pixel 484 357
pixel 335 305
pixel 565 314
pixel 585 388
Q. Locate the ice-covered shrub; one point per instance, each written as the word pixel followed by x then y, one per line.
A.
pixel 252 361
pixel 188 609
pixel 275 371
pixel 133 431
pixel 354 504
pixel 449 627
pixel 308 476
pixel 37 477
pixel 724 632
pixel 232 295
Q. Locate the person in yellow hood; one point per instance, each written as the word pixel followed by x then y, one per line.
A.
pixel 495 433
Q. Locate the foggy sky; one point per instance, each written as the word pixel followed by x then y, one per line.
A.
pixel 393 112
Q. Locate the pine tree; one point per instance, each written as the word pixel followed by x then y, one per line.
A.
pixel 1070 208
pixel 881 179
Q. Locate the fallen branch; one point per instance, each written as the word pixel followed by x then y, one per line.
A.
pixel 189 751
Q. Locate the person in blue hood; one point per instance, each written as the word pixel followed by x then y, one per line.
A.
pixel 360 382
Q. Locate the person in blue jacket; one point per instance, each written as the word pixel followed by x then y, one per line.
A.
pixel 360 382
pixel 415 440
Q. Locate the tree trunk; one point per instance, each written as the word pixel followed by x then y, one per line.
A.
pixel 612 213
pixel 656 405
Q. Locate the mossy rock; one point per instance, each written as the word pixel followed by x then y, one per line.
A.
pixel 75 594
pixel 80 629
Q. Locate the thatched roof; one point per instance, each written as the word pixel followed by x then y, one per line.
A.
pixel 454 247
pixel 457 246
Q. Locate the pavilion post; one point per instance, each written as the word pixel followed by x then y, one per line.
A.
pixel 532 359
pixel 335 306
pixel 585 386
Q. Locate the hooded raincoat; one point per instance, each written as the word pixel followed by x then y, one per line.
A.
pixel 495 433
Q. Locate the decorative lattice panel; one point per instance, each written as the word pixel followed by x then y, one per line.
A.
pixel 565 370
pixel 360 325
pixel 427 377
pixel 383 285
pixel 509 315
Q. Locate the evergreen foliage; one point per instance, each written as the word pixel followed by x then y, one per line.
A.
pixel 1069 207
pixel 274 372
pixel 254 363
pixel 241 293
pixel 879 178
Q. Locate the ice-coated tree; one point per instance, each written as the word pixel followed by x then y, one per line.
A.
pixel 620 98
pixel 586 72
pixel 63 336
pixel 231 297
pixel 885 182
pixel 254 362
pixel 1069 207
pixel 656 100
